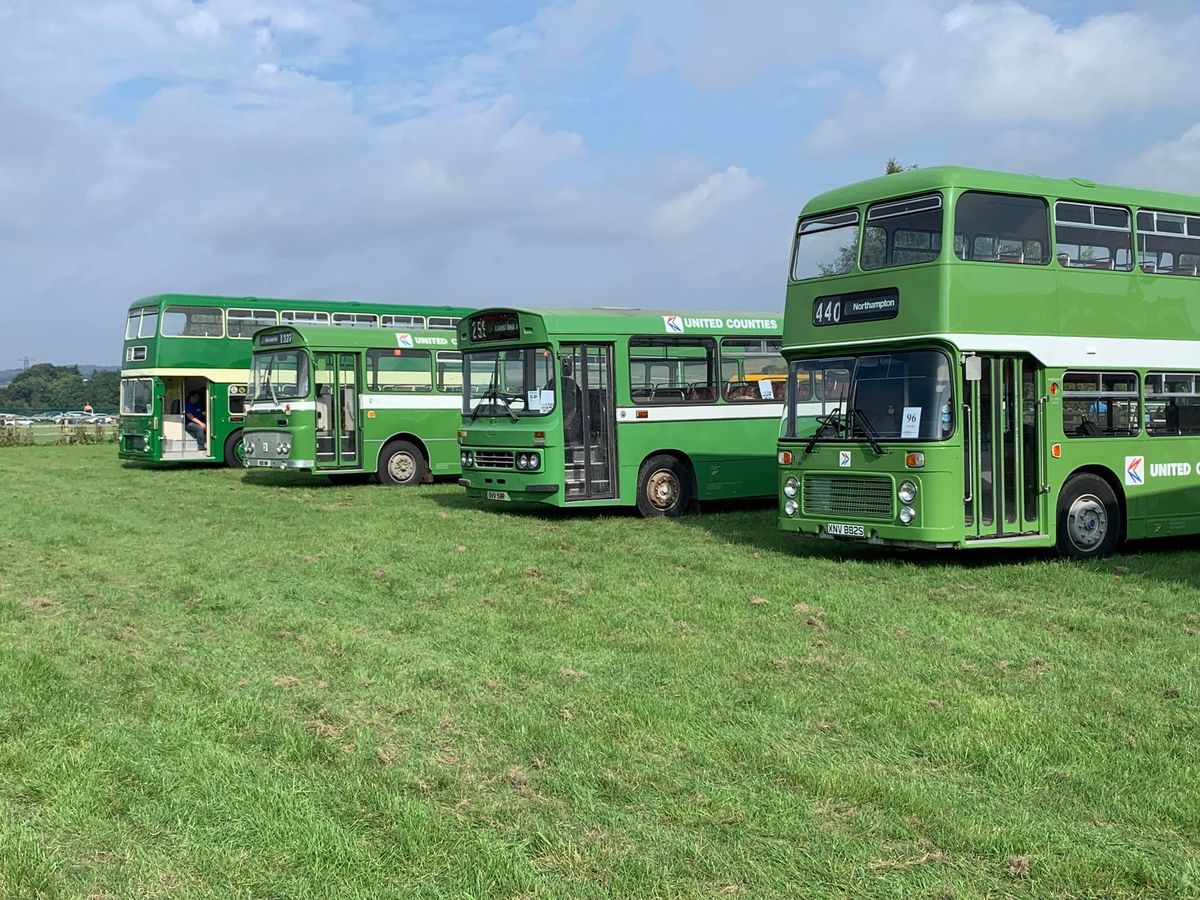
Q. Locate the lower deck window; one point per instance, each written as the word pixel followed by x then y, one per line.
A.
pixel 1100 404
pixel 1172 403
pixel 136 396
pixel 399 370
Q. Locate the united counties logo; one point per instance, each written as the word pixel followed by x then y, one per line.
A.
pixel 404 339
pixel 844 459
pixel 673 324
pixel 1135 470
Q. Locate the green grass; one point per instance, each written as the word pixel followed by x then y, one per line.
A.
pixel 224 685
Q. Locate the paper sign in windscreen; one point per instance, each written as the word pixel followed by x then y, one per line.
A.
pixel 911 426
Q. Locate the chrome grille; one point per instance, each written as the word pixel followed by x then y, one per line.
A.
pixel 859 496
pixel 494 459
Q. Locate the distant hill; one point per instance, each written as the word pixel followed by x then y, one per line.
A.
pixel 7 375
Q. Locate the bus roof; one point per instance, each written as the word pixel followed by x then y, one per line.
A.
pixel 916 181
pixel 602 320
pixel 277 303
pixel 334 338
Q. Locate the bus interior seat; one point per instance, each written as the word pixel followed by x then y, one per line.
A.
pixel 665 393
pixel 1087 428
pixel 703 393
pixel 1171 416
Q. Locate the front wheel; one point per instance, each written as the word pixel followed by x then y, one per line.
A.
pixel 1089 518
pixel 401 462
pixel 664 487
pixel 235 452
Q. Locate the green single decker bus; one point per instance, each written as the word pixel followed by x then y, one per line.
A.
pixel 980 359
pixel 352 404
pixel 597 407
pixel 177 344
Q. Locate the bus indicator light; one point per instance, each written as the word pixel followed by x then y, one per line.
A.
pixel 914 460
pixel 642 414
pixel 785 457
pixel 370 413
pixel 1056 451
pixel 1054 387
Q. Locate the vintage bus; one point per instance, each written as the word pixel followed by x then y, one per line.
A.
pixel 177 344
pixel 591 407
pixel 352 404
pixel 981 359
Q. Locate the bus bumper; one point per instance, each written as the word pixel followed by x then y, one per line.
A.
pixel 302 464
pixel 506 488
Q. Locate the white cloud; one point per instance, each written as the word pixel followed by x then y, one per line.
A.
pixel 1171 165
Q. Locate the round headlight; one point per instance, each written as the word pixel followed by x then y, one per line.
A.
pixel 464 458
pixel 790 507
pixel 907 492
pixel 907 515
pixel 791 487
pixel 534 460
pixel 522 461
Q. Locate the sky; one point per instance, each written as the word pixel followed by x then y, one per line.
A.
pixel 650 153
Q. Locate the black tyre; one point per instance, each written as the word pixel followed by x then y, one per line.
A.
pixel 235 454
pixel 1089 518
pixel 664 487
pixel 401 462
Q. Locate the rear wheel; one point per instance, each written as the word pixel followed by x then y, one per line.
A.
pixel 235 453
pixel 664 487
pixel 401 462
pixel 1089 518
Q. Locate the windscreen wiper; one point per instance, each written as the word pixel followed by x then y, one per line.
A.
pixel 868 430
pixel 271 387
pixel 493 394
pixel 824 422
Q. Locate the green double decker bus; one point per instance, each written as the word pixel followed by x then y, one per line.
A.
pixel 355 404
pixel 980 359
pixel 584 408
pixel 180 344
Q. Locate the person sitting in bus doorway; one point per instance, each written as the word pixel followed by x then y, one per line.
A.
pixel 193 419
pixel 572 397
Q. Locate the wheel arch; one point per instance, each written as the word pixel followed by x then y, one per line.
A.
pixel 680 455
pixel 1110 478
pixel 412 439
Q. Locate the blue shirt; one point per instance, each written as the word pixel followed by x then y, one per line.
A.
pixel 192 409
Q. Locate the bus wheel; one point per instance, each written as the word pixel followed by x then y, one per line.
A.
pixel 664 487
pixel 1089 518
pixel 235 454
pixel 401 463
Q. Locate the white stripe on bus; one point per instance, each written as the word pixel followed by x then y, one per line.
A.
pixel 293 406
pixel 697 412
pixel 1065 352
pixel 223 376
pixel 410 401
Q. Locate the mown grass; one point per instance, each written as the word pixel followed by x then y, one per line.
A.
pixel 224 685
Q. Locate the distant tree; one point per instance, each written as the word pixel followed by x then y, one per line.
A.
pixel 103 389
pixel 893 167
pixel 44 385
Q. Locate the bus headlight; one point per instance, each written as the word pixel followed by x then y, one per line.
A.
pixel 790 507
pixel 534 460
pixel 907 514
pixel 791 487
pixel 522 461
pixel 907 492
pixel 467 458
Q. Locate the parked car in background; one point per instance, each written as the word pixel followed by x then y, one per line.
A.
pixel 102 420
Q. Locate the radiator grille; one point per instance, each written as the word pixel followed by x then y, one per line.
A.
pixel 494 459
pixel 859 496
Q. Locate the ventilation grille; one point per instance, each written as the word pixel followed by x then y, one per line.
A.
pixel 858 496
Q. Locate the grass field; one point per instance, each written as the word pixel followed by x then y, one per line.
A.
pixel 217 684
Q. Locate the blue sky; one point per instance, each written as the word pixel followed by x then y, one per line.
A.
pixel 573 152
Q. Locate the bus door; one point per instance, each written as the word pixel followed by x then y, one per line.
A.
pixel 337 434
pixel 589 419
pixel 1003 475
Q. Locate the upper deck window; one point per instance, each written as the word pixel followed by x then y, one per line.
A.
pixel 1002 228
pixel 826 245
pixel 903 232
pixel 1092 237
pixel 242 323
pixel 402 321
pixel 142 323
pixel 192 321
pixel 356 320
pixel 443 322
pixel 1168 243
pixel 292 317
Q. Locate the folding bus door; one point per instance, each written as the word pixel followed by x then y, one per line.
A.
pixel 589 417
pixel 1003 472
pixel 337 434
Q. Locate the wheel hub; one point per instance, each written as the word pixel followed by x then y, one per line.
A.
pixel 1087 522
pixel 402 466
pixel 662 489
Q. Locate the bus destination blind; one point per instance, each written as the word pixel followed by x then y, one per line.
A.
pixel 505 326
pixel 861 306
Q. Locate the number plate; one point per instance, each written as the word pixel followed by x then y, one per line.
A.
pixel 497 495
pixel 845 530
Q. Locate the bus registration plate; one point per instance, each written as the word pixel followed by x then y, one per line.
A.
pixel 497 495
pixel 845 530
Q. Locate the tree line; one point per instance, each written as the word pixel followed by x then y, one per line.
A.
pixel 44 386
